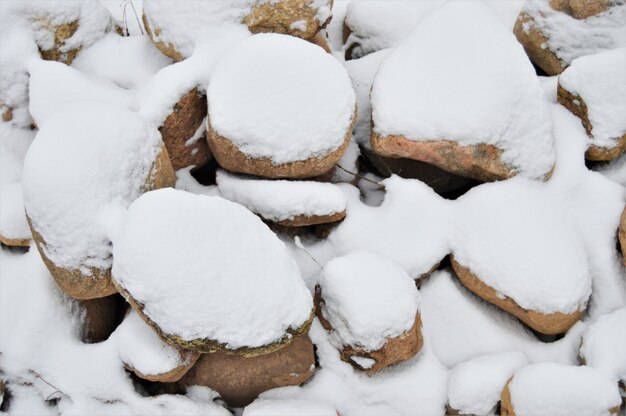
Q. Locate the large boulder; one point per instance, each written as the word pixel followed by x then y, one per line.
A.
pixel 425 104
pixel 210 278
pixel 557 32
pixel 85 162
pixel 593 88
pixel 370 306
pixel 177 28
pixel 557 389
pixel 239 380
pixel 279 107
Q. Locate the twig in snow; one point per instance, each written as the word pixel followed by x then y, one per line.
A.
pixel 361 177
pixel 299 244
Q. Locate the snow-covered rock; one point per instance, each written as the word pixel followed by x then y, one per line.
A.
pixel 371 306
pixel 88 159
pixel 279 107
pixel 292 203
pixel 146 355
pixel 514 247
pixel 594 89
pixel 553 39
pixel 604 343
pixel 424 103
pixel 196 269
pixel 178 29
pixel 475 386
pixel 555 389
pixel 14 231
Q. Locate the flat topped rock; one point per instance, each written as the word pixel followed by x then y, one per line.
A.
pixel 177 28
pixel 85 159
pixel 556 389
pixel 514 248
pixel 279 107
pixel 213 277
pixel 594 89
pixel 460 93
pixel 372 307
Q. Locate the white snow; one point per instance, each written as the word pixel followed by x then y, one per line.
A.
pixel 570 38
pixel 604 343
pixel 410 227
pixel 462 76
pixel 475 386
pixel 599 80
pixel 127 15
pixel 368 299
pixel 13 223
pixel 14 143
pixel 128 61
pixel 223 276
pixel 288 407
pixel 515 238
pixel 54 86
pixel 281 98
pixel 141 348
pixel 614 170
pixel 84 159
pixel 279 200
pixel 556 389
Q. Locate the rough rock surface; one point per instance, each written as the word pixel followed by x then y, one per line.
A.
pixel 581 9
pixel 554 323
pixel 188 358
pixel 281 16
pixel 532 39
pixel 240 380
pixel 100 317
pixel 184 134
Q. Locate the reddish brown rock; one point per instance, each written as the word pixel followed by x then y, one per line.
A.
pixel 304 221
pixel 180 128
pixel 240 380
pixel 553 323
pixel 577 106
pixel 531 39
pixel 581 9
pixel 100 317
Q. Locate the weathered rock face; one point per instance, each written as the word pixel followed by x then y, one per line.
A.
pixel 622 235
pixel 98 283
pixel 290 17
pixel 532 39
pixel 231 158
pixel 240 380
pixel 481 162
pixel 581 9
pixel 394 350
pixel 554 323
pixel 184 134
pixel 100 317
pixel 578 107
pixel 303 220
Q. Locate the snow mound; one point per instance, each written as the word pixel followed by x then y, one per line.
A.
pixel 604 343
pixel 141 348
pixel 410 227
pixel 205 268
pixel 368 299
pixel 279 200
pixel 474 387
pixel 13 223
pixel 14 143
pixel 54 86
pixel 555 389
pixel 421 92
pixel 288 407
pixel 599 81
pixel 570 38
pixel 129 61
pixel 281 98
pixel 84 159
pixel 515 237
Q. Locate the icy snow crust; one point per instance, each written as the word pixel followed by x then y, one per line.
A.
pixel 559 390
pixel 599 80
pixel 141 348
pixel 474 387
pixel 570 38
pixel 88 157
pixel 368 299
pixel 281 98
pixel 462 76
pixel 604 343
pixel 279 200
pixel 223 276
